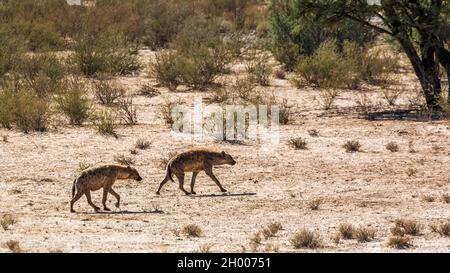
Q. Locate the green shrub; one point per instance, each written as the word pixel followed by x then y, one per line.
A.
pixel 105 123
pixel 73 103
pixel 41 73
pixel 31 113
pixel 326 68
pixel 10 51
pixel 7 103
pixel 107 53
pixel 167 69
pixel 258 69
pixel 107 92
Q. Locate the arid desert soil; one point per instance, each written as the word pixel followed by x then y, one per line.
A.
pixel 371 188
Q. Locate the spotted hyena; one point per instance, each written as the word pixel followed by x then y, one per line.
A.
pixel 94 179
pixel 195 161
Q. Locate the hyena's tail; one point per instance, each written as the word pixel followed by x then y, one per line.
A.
pixel 73 188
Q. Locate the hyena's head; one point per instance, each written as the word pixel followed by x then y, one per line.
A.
pixel 133 174
pixel 227 159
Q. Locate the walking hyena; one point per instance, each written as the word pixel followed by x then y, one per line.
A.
pixel 101 177
pixel 195 161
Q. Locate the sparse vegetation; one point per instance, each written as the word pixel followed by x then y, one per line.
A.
pixel 142 144
pixel 127 111
pixel 105 123
pixel 192 230
pixel 124 160
pixel 392 147
pixel 107 92
pixel 443 229
pixel 315 204
pixel 346 231
pixel 313 133
pixel 298 143
pixel 399 242
pixel 306 239
pixel 363 235
pixel 256 238
pixel 7 220
pixel 407 227
pixel 14 246
pixel 74 104
pixel 446 198
pixel 352 146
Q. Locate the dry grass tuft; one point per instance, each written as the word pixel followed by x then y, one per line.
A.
pixel 14 246
pixel 7 221
pixel 315 204
pixel 306 239
pixel 403 227
pixel 392 147
pixel 363 235
pixel 192 230
pixel 124 160
pixel 399 242
pixel 298 143
pixel 142 144
pixel 352 146
pixel 446 198
pixel 346 231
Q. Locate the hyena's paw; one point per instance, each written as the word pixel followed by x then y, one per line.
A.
pixel 223 190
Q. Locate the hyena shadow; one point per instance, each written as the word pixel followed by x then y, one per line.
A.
pixel 223 195
pixel 125 212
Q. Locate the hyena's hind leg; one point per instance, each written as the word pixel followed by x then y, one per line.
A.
pixel 166 179
pixel 77 196
pixel 105 198
pixel 180 177
pixel 88 197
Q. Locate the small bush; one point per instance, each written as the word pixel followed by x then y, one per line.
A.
pixel 14 246
pixel 399 242
pixel 352 146
pixel 105 123
pixel 428 198
pixel 166 112
pixel 271 230
pixel 74 103
pixel 107 93
pixel 284 112
pixel 298 143
pixel 315 204
pixel 7 221
pixel 127 111
pixel 443 229
pixel 142 144
pixel 406 227
pixel 31 113
pixel 258 69
pixel 167 69
pixel 204 249
pixel 363 235
pixel 256 238
pixel 392 147
pixel 326 68
pixel 313 132
pixel 391 95
pixel 124 160
pixel 411 172
pixel 306 239
pixel 327 98
pixel 346 231
pixel 280 74
pixel 192 230
pixel 446 198
pixel 106 53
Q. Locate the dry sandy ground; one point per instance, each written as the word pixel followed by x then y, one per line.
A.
pixel 370 188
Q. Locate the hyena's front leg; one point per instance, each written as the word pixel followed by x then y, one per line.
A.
pixel 116 195
pixel 194 175
pixel 209 172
